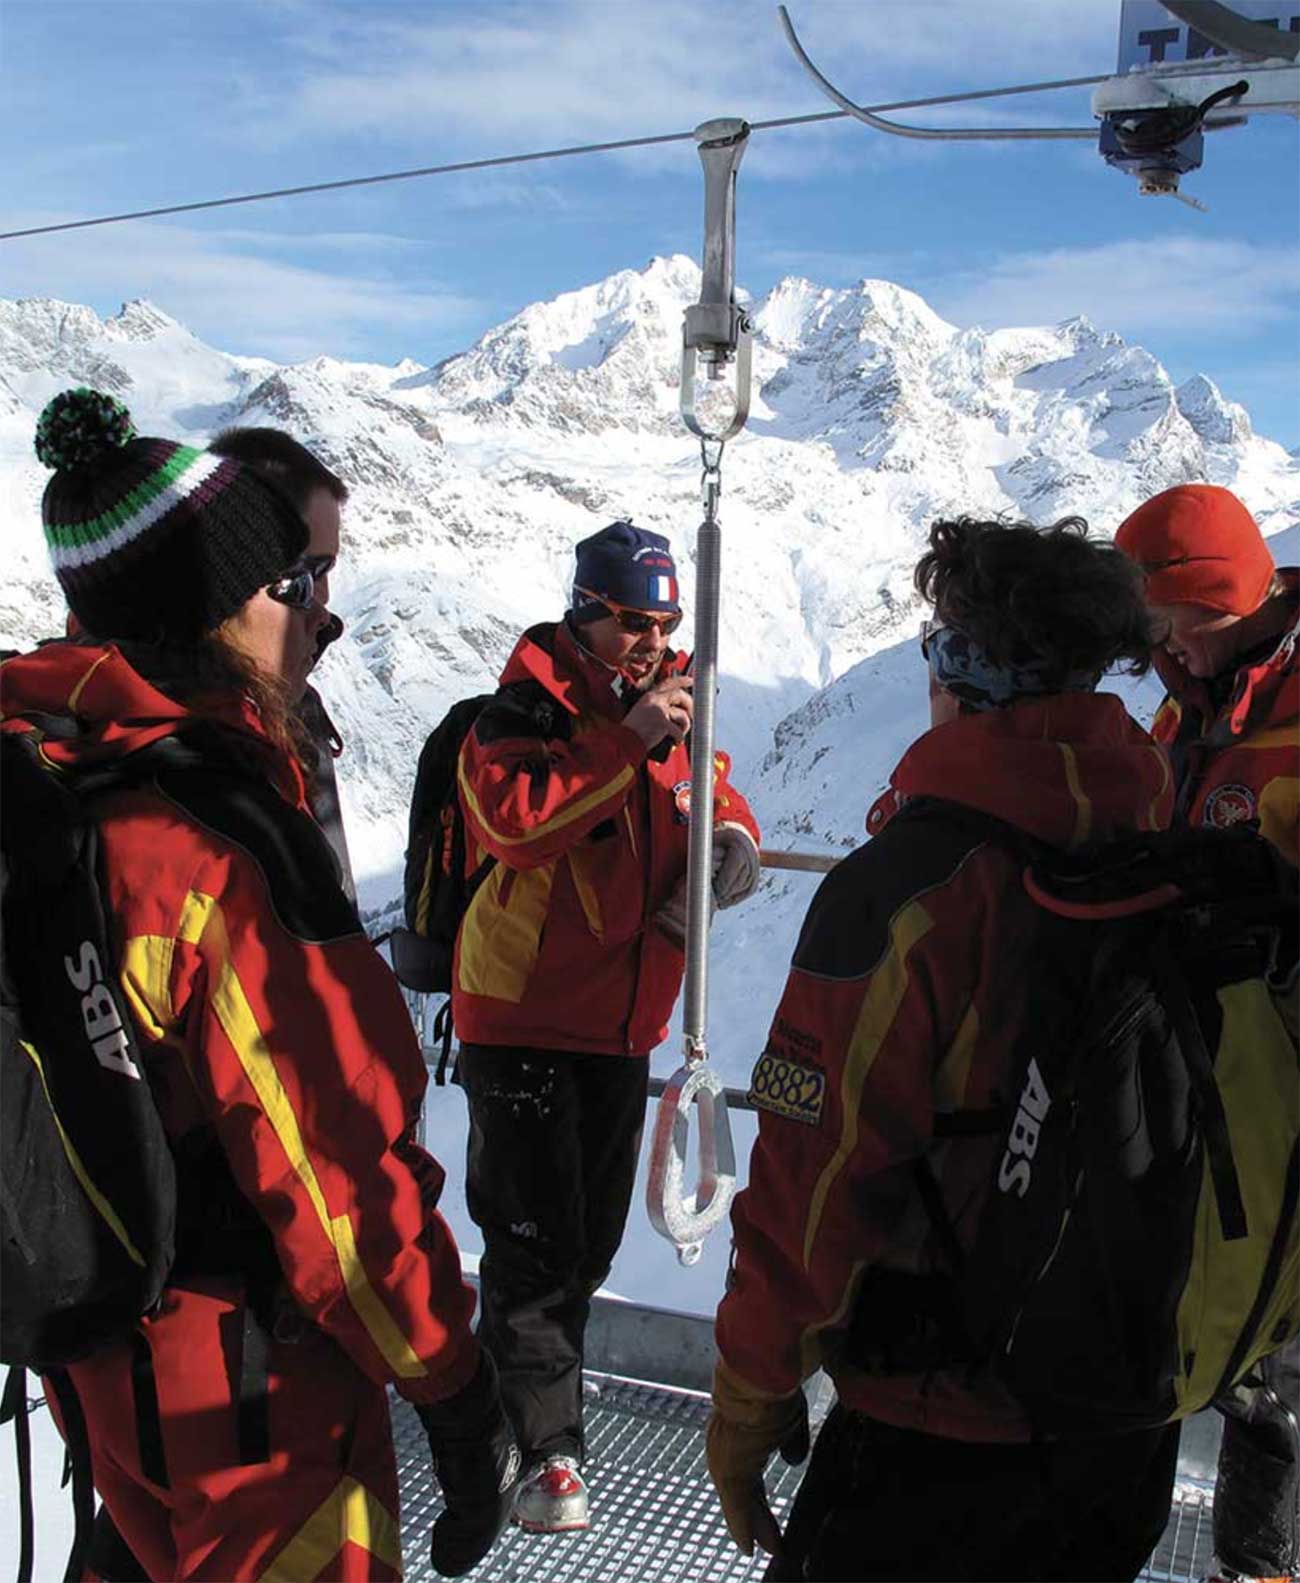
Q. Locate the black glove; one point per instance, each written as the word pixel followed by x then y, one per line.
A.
pixel 477 1463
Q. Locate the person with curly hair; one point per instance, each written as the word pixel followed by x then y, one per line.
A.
pixel 908 996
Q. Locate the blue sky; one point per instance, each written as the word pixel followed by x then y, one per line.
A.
pixel 127 103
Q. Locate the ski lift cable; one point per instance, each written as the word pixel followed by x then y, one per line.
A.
pixel 965 134
pixel 776 124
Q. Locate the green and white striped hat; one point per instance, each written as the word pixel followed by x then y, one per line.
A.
pixel 149 538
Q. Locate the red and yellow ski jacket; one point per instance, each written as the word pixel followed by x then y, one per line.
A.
pixel 1240 760
pixel 293 1047
pixel 558 948
pixel 906 998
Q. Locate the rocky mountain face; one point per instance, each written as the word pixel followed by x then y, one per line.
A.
pixel 472 480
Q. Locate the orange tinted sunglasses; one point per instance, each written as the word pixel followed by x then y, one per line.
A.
pixel 637 622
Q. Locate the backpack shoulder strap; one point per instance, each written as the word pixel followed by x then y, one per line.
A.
pixel 14 1406
pixel 522 709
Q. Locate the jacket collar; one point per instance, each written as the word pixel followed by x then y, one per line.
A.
pixel 551 655
pixel 100 708
pixel 1068 768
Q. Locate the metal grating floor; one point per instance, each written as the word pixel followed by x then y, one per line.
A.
pixel 1185 1550
pixel 654 1515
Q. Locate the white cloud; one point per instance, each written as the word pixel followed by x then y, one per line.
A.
pixel 1184 286
pixel 222 284
pixel 504 76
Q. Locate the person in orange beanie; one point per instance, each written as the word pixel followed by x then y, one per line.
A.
pixel 1228 659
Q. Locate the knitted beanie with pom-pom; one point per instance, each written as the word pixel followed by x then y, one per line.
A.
pixel 151 539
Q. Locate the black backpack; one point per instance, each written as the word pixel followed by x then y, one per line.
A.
pixel 96 1213
pixel 87 1180
pixel 436 888
pixel 1137 1250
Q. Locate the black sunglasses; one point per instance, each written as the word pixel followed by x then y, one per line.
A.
pixel 297 588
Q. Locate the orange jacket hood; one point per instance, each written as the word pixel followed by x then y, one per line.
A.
pixel 117 710
pixel 1066 769
pixel 550 655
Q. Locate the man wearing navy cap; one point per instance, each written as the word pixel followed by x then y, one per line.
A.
pixel 576 779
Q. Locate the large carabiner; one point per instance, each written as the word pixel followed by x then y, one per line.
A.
pixel 716 330
pixel 686 1221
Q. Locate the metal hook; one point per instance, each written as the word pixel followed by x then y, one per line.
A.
pixel 682 1219
pixel 716 330
pixel 711 477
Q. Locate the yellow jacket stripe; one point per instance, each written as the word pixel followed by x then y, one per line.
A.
pixel 238 1022
pixel 558 821
pixel 879 1008
pixel 351 1514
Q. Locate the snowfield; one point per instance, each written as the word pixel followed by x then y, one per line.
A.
pixel 472 480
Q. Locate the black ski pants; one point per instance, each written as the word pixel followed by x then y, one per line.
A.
pixel 885 1503
pixel 553 1144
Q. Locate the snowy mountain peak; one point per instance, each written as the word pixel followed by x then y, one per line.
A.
pixel 1083 335
pixel 38 331
pixel 48 319
pixel 1217 420
pixel 900 311
pixel 471 482
pixel 797 311
pixel 140 320
pixel 577 328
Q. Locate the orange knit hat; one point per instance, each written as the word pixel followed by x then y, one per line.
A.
pixel 1199 545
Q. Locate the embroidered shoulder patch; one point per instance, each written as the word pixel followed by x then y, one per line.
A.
pixel 1229 805
pixel 788 1089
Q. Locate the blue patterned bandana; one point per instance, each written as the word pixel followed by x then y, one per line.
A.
pixel 960 666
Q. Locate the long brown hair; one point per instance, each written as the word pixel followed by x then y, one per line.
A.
pixel 206 675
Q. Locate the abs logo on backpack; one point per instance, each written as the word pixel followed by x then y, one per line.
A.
pixel 1016 1171
pixel 99 1012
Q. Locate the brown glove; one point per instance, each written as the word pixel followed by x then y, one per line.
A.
pixel 744 1429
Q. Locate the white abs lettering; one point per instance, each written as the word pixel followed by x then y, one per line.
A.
pixel 99 1016
pixel 86 970
pixel 1015 1172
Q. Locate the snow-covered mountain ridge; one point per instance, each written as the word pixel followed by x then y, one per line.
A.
pixel 472 480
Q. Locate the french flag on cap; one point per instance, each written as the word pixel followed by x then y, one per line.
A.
pixel 662 590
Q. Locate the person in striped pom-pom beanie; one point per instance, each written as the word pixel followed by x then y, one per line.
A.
pixel 151 539
pixel 240 1428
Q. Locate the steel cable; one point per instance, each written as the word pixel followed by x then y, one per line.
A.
pixel 497 161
